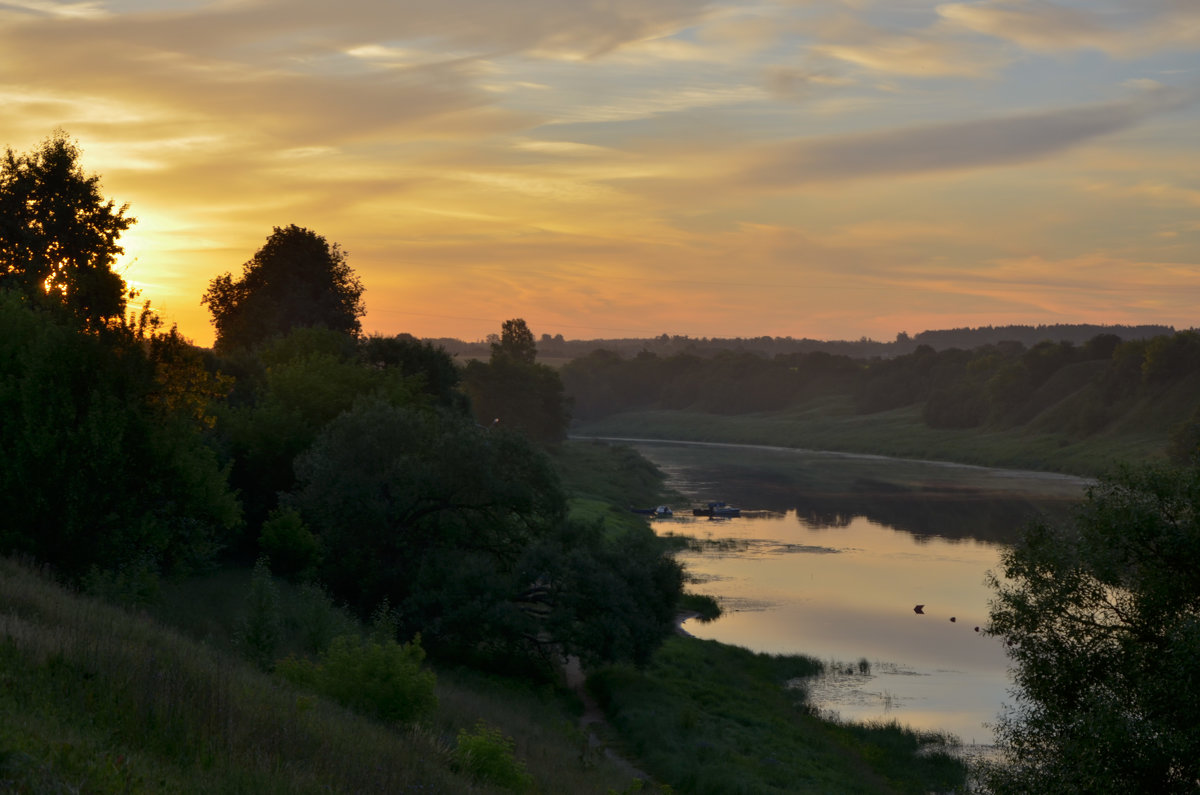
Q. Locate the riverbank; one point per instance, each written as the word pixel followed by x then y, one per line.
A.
pixel 829 426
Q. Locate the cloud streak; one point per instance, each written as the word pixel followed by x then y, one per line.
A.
pixel 953 146
pixel 1147 26
pixel 715 167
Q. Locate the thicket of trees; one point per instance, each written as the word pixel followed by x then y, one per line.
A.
pixel 103 418
pixel 1001 385
pixel 1101 618
pixel 511 390
pixel 666 345
pixel 130 454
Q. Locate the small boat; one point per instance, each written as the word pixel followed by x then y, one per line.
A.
pixel 661 512
pixel 717 509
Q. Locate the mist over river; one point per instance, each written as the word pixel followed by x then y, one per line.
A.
pixel 832 554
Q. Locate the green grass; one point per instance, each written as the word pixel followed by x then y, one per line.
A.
pixel 612 474
pixel 100 700
pixel 95 699
pixel 709 718
pixel 829 424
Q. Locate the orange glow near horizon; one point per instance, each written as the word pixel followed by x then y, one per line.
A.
pixel 828 170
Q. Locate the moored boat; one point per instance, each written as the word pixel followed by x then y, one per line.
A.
pixel 717 509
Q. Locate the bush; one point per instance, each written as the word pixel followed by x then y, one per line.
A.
pixel 383 680
pixel 293 549
pixel 487 755
pixel 259 630
pixel 707 607
pixel 317 620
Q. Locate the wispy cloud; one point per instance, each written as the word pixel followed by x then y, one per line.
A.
pixel 596 164
pixel 1137 28
pixel 971 144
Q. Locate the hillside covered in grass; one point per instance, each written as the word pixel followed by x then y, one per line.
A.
pixel 1055 405
pixel 99 699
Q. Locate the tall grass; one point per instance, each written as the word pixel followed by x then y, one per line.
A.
pixel 709 718
pixel 96 699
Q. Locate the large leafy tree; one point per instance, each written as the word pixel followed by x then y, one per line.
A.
pixel 296 279
pixel 463 530
pixel 1102 622
pixel 604 596
pixel 58 235
pixel 431 512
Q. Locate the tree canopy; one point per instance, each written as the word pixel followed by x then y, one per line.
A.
pixel 513 391
pixel 1102 622
pixel 104 464
pixel 58 235
pixel 516 343
pixel 431 512
pixel 296 279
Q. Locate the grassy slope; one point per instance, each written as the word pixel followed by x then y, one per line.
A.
pixel 829 424
pixel 96 699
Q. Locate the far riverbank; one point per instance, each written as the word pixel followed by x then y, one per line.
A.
pixel 896 434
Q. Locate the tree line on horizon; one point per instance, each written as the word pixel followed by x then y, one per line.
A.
pixel 558 347
pixel 362 463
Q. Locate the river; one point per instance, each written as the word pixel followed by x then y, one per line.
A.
pixel 834 553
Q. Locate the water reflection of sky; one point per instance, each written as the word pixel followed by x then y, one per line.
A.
pixel 848 593
pixel 849 545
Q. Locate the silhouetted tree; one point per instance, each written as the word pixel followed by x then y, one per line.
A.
pixel 516 343
pixel 1102 622
pixel 58 236
pixel 296 279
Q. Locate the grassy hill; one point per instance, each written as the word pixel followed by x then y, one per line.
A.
pixel 98 698
pixel 1054 406
pixel 1139 432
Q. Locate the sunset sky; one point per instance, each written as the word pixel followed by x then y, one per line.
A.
pixel 606 168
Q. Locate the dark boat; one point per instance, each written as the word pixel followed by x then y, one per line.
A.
pixel 661 512
pixel 717 509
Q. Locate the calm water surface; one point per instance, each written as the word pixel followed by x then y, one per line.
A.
pixel 838 552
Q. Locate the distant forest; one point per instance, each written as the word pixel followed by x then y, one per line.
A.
pixel 555 346
pixel 1105 384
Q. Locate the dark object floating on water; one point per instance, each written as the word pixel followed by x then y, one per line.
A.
pixel 661 512
pixel 952 619
pixel 919 610
pixel 716 509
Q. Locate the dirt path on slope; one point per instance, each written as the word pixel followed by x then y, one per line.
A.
pixel 594 716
